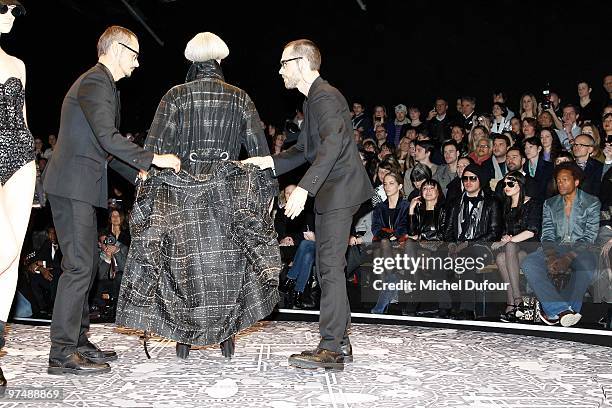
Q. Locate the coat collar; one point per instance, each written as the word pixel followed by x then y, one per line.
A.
pixel 205 69
pixel 107 72
pixel 315 85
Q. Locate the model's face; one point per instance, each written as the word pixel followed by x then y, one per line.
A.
pixel 583 90
pixel 128 57
pixel 289 69
pixel 6 20
pixel 566 184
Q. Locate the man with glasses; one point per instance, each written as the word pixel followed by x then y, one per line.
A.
pixel 473 219
pixel 75 181
pixel 593 169
pixel 338 182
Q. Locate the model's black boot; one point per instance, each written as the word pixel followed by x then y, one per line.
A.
pixel 182 350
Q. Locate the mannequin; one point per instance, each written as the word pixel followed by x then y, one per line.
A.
pixel 17 168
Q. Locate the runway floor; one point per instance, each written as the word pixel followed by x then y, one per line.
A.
pixel 394 366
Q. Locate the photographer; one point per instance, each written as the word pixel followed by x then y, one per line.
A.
pixel 111 262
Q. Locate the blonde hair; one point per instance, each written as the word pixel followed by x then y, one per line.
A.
pixel 206 46
pixel 112 34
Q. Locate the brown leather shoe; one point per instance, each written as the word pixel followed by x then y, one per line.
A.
pixel 76 363
pixel 95 354
pixel 346 350
pixel 319 358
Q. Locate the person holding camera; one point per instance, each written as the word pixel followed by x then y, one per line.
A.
pixel 45 273
pixel 111 262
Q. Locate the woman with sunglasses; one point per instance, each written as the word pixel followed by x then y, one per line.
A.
pixel 521 223
pixel 17 168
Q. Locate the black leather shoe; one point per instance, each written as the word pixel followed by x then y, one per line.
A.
pixel 93 353
pixel 464 315
pixel 319 358
pixel 287 286
pixel 182 350
pixel 304 301
pixel 76 363
pixel 228 347
pixel 346 350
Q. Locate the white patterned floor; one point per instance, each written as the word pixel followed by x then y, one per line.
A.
pixel 395 366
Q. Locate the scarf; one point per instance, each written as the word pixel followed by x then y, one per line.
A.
pixel 469 219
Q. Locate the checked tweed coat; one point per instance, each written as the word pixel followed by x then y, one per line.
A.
pixel 204 260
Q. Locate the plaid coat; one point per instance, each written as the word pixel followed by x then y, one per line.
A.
pixel 204 260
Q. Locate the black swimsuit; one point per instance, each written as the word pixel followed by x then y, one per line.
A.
pixel 16 141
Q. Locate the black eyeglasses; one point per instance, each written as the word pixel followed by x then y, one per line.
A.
pixel 130 48
pixel 582 145
pixel 284 62
pixel 16 11
pixel 469 178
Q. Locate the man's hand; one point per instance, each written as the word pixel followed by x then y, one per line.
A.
pixel 287 241
pixel 309 235
pixel 111 250
pixel 263 162
pixel 296 202
pixel 167 161
pixel 432 114
pixel 608 152
pixel 355 241
pixel 143 175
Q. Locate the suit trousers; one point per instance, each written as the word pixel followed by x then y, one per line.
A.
pixel 76 227
pixel 333 230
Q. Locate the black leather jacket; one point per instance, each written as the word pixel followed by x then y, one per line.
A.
pixel 488 228
pixel 427 228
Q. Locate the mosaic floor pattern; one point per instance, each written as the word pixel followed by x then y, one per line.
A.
pixel 395 366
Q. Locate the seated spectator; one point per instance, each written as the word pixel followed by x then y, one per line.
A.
pixel 439 122
pixel 535 167
pixel 111 263
pixel 423 152
pixel 455 187
pixel 521 222
pixel 529 106
pixel 448 171
pixel 369 145
pixel 482 152
pixel 477 133
pixel 472 220
pixel 500 97
pixel 529 128
pixel 418 175
pixel 389 226
pixel 591 130
pixel 387 149
pixel 426 217
pixel 589 110
pixel 357 137
pixel 381 135
pixel 501 122
pixel 458 134
pixel 562 269
pixel 397 128
pixel 49 152
pixel 495 166
pixel 46 270
pixel 551 147
pixel 468 115
pixel 562 157
pixel 593 169
pixel 300 273
pixel 118 227
pixel 516 130
pixel 389 165
pixel 414 114
pixel 291 231
pixel 360 121
pixel 570 126
pixel 370 162
pixel 403 156
pixel 545 120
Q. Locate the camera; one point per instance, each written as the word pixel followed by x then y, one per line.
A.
pixel 546 101
pixel 110 240
pixel 609 139
pixel 114 203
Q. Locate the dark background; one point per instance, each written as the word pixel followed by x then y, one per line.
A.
pixel 396 51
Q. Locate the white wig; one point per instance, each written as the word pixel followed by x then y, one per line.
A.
pixel 206 46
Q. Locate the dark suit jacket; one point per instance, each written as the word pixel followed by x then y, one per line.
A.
pixel 592 177
pixel 44 254
pixel 88 134
pixel 543 173
pixel 336 177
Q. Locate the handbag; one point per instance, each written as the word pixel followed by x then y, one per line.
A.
pixel 529 311
pixel 354 258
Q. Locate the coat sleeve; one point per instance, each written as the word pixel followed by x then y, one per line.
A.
pixel 548 226
pixel 165 129
pixel 291 158
pixel 97 102
pixel 592 215
pixel 253 137
pixel 331 128
pixel 377 225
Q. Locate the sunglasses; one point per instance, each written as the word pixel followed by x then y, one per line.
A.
pixel 511 182
pixel 16 11
pixel 469 178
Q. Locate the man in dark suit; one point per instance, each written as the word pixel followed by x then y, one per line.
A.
pixel 338 182
pixel 46 271
pixel 75 181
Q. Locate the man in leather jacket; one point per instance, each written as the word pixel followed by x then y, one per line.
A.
pixel 474 219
